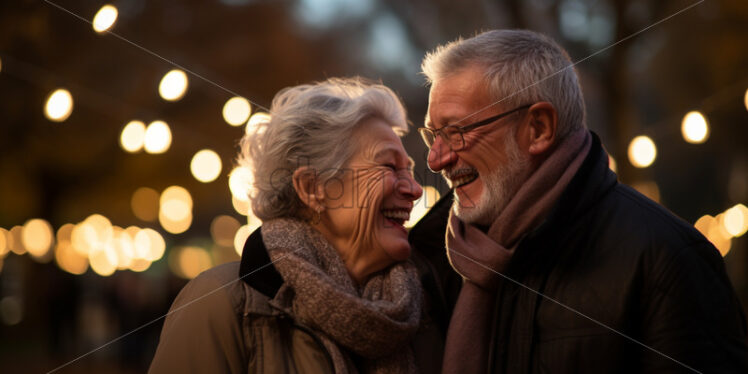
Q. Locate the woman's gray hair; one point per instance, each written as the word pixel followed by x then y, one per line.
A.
pixel 311 125
pixel 521 67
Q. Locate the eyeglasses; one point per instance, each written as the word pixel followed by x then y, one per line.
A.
pixel 454 135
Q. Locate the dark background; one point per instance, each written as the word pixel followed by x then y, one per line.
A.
pixel 634 83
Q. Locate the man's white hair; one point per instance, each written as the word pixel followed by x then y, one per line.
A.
pixel 521 67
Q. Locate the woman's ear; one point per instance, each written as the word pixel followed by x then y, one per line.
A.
pixel 543 124
pixel 305 184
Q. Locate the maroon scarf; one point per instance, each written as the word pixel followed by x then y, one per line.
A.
pixel 479 256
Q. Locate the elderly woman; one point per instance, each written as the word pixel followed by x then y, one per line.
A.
pixel 325 285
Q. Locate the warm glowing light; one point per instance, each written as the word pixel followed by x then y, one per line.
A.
pixel 37 236
pixel 745 100
pixel 105 18
pixel 1 64
pixel 103 260
pixel 173 85
pixel 133 136
pixel 240 206
pixel 429 197
pixel 256 121
pixel 694 128
pixel 236 111
pixel 144 204
pixel 69 260
pixel 206 165
pixel 223 229
pixel 153 241
pixel 91 234
pixel 188 262
pixel 59 105
pixel 3 242
pixel 240 182
pixel 736 220
pixel 157 137
pixel 240 238
pixel 642 151
pixel 15 241
pixel 175 213
pixel 612 164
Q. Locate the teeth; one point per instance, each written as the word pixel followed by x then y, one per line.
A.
pixel 396 214
pixel 457 182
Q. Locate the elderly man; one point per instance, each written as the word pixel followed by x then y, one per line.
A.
pixel 565 270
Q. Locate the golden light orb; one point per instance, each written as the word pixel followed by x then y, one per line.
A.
pixel 223 229
pixel 745 100
pixel 59 105
pixel 206 165
pixel 133 136
pixel 69 260
pixel 240 238
pixel 3 242
pixel 255 122
pixel 105 18
pixel 694 128
pixel 241 180
pixel 236 111
pixel 191 261
pixel 103 260
pixel 173 85
pixel 736 220
pixel 145 203
pixel 15 241
pixel 157 137
pixel 612 164
pixel 642 151
pixel 37 236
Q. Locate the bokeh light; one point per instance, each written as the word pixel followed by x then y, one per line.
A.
pixel 173 85
pixel 429 197
pixel 69 260
pixel 15 241
pixel 175 211
pixel 240 206
pixel 103 260
pixel 3 242
pixel 694 128
pixel 236 111
pixel 157 137
pixel 206 165
pixel 255 121
pixel 612 164
pixel 745 100
pixel 240 238
pixel 189 261
pixel 144 204
pixel 736 220
pixel 240 182
pixel 642 151
pixel 59 105
pixel 223 229
pixel 133 136
pixel 37 236
pixel 105 18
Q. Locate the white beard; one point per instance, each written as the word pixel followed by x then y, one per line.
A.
pixel 499 187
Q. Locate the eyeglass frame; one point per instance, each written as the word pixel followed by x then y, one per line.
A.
pixel 463 129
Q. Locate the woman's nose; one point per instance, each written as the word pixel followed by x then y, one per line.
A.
pixel 440 155
pixel 409 188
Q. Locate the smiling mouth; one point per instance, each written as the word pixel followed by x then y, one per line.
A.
pixel 396 216
pixel 462 177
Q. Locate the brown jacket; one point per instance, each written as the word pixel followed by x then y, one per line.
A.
pixel 219 324
pixel 221 321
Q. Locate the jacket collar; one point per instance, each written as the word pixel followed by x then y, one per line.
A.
pixel 256 269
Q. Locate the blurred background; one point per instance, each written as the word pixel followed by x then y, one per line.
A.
pixel 119 125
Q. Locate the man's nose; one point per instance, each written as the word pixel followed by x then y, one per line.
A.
pixel 440 155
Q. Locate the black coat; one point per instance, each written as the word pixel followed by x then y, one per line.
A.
pixel 605 253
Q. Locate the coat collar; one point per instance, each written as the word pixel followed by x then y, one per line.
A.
pixel 256 269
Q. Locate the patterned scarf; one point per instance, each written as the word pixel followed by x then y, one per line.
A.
pixel 366 329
